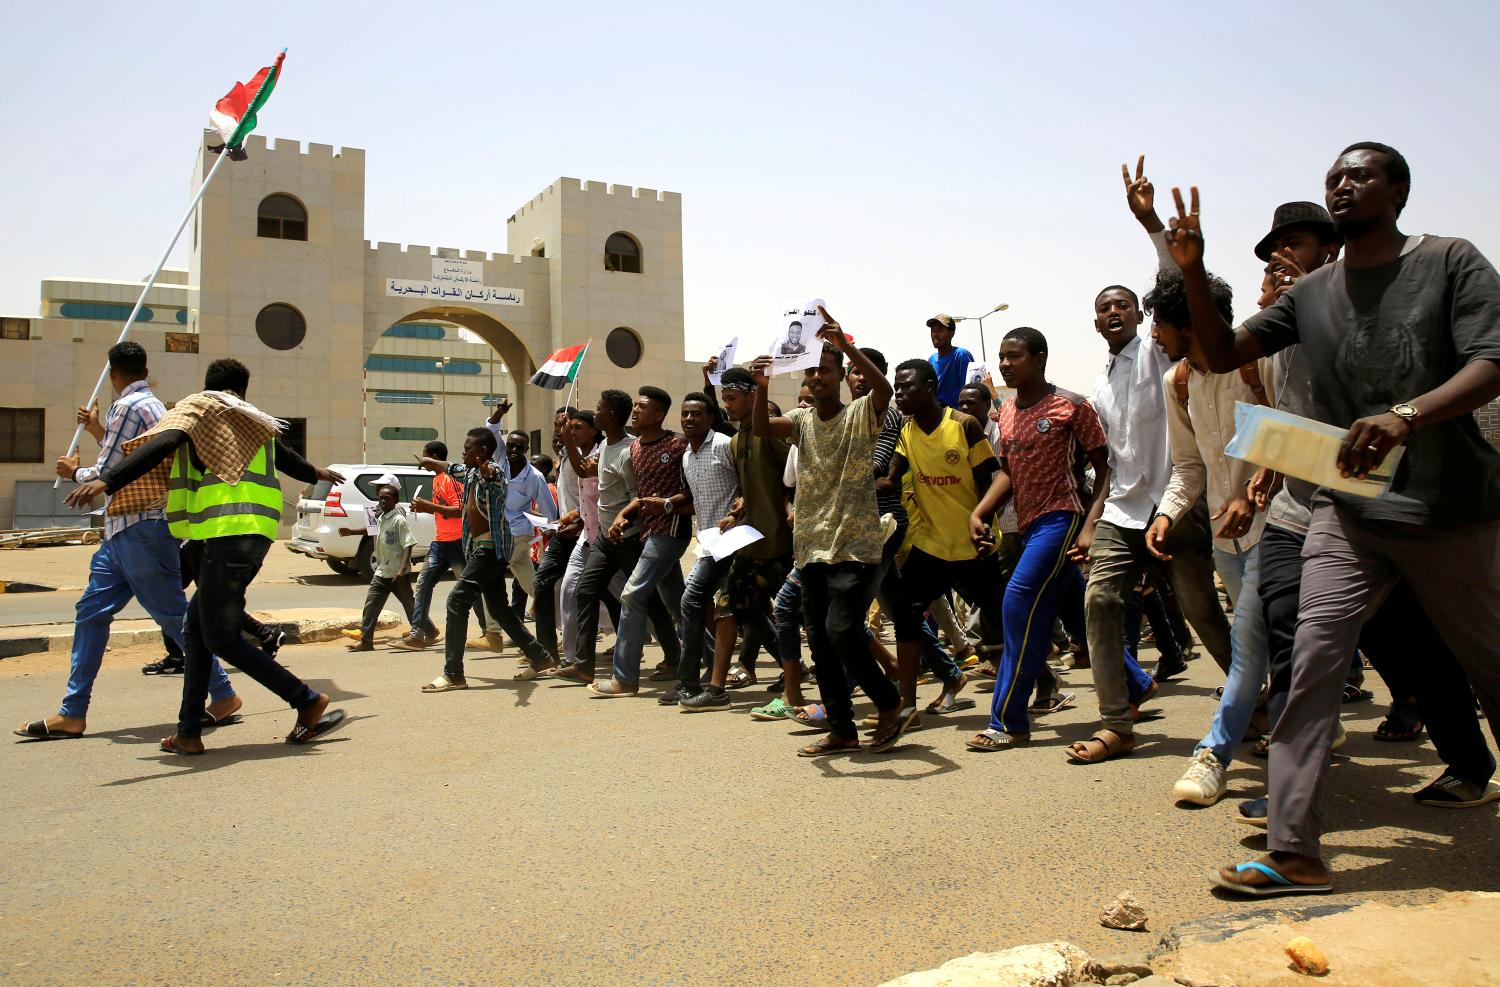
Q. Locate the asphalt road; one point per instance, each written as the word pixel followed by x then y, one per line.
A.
pixel 522 832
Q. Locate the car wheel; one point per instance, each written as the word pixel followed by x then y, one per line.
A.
pixel 364 565
pixel 340 567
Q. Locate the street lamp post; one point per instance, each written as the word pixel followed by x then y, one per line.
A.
pixel 980 319
pixel 442 369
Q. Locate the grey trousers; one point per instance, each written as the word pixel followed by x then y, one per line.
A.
pixel 1116 561
pixel 1348 567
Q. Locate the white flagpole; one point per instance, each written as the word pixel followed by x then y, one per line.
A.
pixel 574 388
pixel 140 302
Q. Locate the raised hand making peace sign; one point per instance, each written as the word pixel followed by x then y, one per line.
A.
pixel 1140 194
pixel 1185 239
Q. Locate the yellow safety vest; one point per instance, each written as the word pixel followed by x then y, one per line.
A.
pixel 202 506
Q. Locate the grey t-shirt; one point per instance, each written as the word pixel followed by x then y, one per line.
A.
pixel 616 483
pixel 1370 338
pixel 1291 508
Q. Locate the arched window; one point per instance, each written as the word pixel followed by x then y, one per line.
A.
pixel 622 252
pixel 280 327
pixel 281 217
pixel 623 347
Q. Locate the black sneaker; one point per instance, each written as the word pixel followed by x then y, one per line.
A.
pixel 710 699
pixel 272 642
pixel 678 694
pixel 168 665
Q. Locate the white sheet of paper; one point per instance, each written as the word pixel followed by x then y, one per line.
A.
pixel 726 360
pixel 372 521
pixel 1303 448
pixel 722 544
pixel 540 523
pixel 796 346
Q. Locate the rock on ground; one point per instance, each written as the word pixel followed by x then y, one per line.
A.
pixel 1048 964
pixel 1125 913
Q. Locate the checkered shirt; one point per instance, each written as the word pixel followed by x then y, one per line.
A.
pixel 712 479
pixel 133 413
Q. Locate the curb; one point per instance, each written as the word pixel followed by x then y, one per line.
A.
pixel 311 630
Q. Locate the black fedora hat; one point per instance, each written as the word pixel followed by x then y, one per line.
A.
pixel 1296 214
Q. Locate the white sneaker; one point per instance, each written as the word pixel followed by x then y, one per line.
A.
pixel 1203 782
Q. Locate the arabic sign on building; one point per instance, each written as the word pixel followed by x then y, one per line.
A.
pixel 454 271
pixel 448 291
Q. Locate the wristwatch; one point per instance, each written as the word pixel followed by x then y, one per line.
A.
pixel 1406 413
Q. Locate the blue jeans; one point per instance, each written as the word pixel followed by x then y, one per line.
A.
pixel 441 556
pixel 697 604
pixel 659 566
pixel 788 613
pixel 140 562
pixel 1250 655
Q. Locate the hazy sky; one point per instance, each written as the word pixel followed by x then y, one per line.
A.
pixel 896 159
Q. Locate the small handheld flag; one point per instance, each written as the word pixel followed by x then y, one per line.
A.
pixel 561 367
pixel 234 116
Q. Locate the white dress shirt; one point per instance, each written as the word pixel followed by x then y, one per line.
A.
pixel 1128 398
pixel 1132 408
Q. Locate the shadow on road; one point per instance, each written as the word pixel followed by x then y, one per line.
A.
pixel 223 757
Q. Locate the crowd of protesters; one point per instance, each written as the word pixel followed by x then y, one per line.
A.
pixel 1006 543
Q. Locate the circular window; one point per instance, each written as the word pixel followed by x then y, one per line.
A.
pixel 623 347
pixel 280 327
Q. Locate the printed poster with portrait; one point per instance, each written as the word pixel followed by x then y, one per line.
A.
pixel 796 346
pixel 726 360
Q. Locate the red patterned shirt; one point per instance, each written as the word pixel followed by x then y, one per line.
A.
pixel 658 473
pixel 1041 447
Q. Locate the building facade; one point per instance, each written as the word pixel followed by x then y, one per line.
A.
pixel 368 348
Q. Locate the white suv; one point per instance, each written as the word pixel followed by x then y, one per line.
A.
pixel 324 508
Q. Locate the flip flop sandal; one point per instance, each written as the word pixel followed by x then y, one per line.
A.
pixel 573 675
pixel 811 721
pixel 906 719
pixel 1113 744
pixel 208 722
pixel 1402 723
pixel 610 690
pixel 1278 886
pixel 954 704
pixel 37 730
pixel 168 746
pixel 829 745
pixel 739 678
pixel 1055 703
pixel 167 666
pixel 444 684
pixel 303 735
pixel 995 740
pixel 1354 694
pixel 1453 792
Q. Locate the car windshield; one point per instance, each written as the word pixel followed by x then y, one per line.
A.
pixel 410 484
